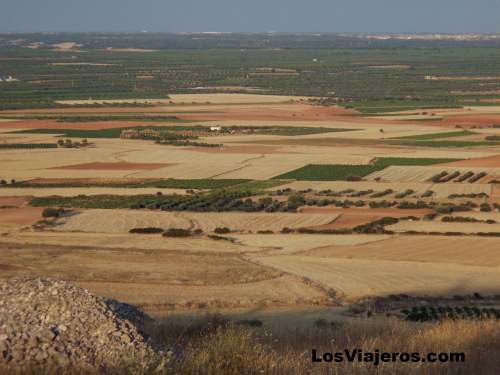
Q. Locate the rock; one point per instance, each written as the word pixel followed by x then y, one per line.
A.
pixel 53 324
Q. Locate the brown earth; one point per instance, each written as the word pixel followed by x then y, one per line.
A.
pixel 467 121
pixel 20 216
pixel 437 249
pixel 250 149
pixel 119 166
pixel 87 181
pixel 275 112
pixel 13 201
pixel 490 162
pixel 351 217
pixel 162 279
pixel 495 194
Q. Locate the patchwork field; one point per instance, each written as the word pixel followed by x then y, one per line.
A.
pixel 121 221
pixel 319 200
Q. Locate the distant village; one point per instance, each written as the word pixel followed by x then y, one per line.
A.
pixel 8 79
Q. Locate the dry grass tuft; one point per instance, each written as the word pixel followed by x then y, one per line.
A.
pixel 216 346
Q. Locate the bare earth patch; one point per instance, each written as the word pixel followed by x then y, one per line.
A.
pixel 11 217
pixel 351 217
pixel 425 249
pixel 243 149
pixel 119 166
pixel 8 201
pixel 489 162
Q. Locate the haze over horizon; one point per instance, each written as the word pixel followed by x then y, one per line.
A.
pixel 382 16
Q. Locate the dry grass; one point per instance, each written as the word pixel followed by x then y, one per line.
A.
pixel 213 347
pixel 162 280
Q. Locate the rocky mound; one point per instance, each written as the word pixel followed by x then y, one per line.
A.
pixel 53 324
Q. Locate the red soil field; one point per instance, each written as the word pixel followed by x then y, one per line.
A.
pixel 249 112
pixel 13 201
pixel 351 217
pixel 466 121
pixel 487 162
pixel 20 216
pixel 88 181
pixel 277 112
pixel 119 166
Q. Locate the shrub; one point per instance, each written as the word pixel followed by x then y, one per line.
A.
pixel 354 178
pixel 250 322
pixel 404 194
pixel 377 226
pixel 450 177
pixel 220 238
pixel 427 194
pixel 222 230
pixel 382 193
pixel 477 177
pixel 382 204
pixel 430 217
pixel 147 230
pixel 437 178
pixel 465 176
pixel 485 207
pixel 177 232
pixel 492 138
pixel 52 212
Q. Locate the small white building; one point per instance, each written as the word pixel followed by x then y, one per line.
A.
pixel 215 128
pixel 7 79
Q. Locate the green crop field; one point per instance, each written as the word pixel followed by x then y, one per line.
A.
pixel 426 137
pixel 443 143
pixel 116 132
pixel 334 172
pixel 386 162
pixel 160 184
pixel 340 172
pixel 179 63
pixel 101 133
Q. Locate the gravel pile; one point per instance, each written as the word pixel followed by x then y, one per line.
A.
pixel 49 324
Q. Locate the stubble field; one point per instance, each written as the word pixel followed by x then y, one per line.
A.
pixel 244 268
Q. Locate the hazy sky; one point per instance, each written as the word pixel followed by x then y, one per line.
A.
pixel 251 15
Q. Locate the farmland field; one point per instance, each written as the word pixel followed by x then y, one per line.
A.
pixel 115 221
pixel 309 180
pixel 329 172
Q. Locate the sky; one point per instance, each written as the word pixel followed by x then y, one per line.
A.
pixel 398 16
